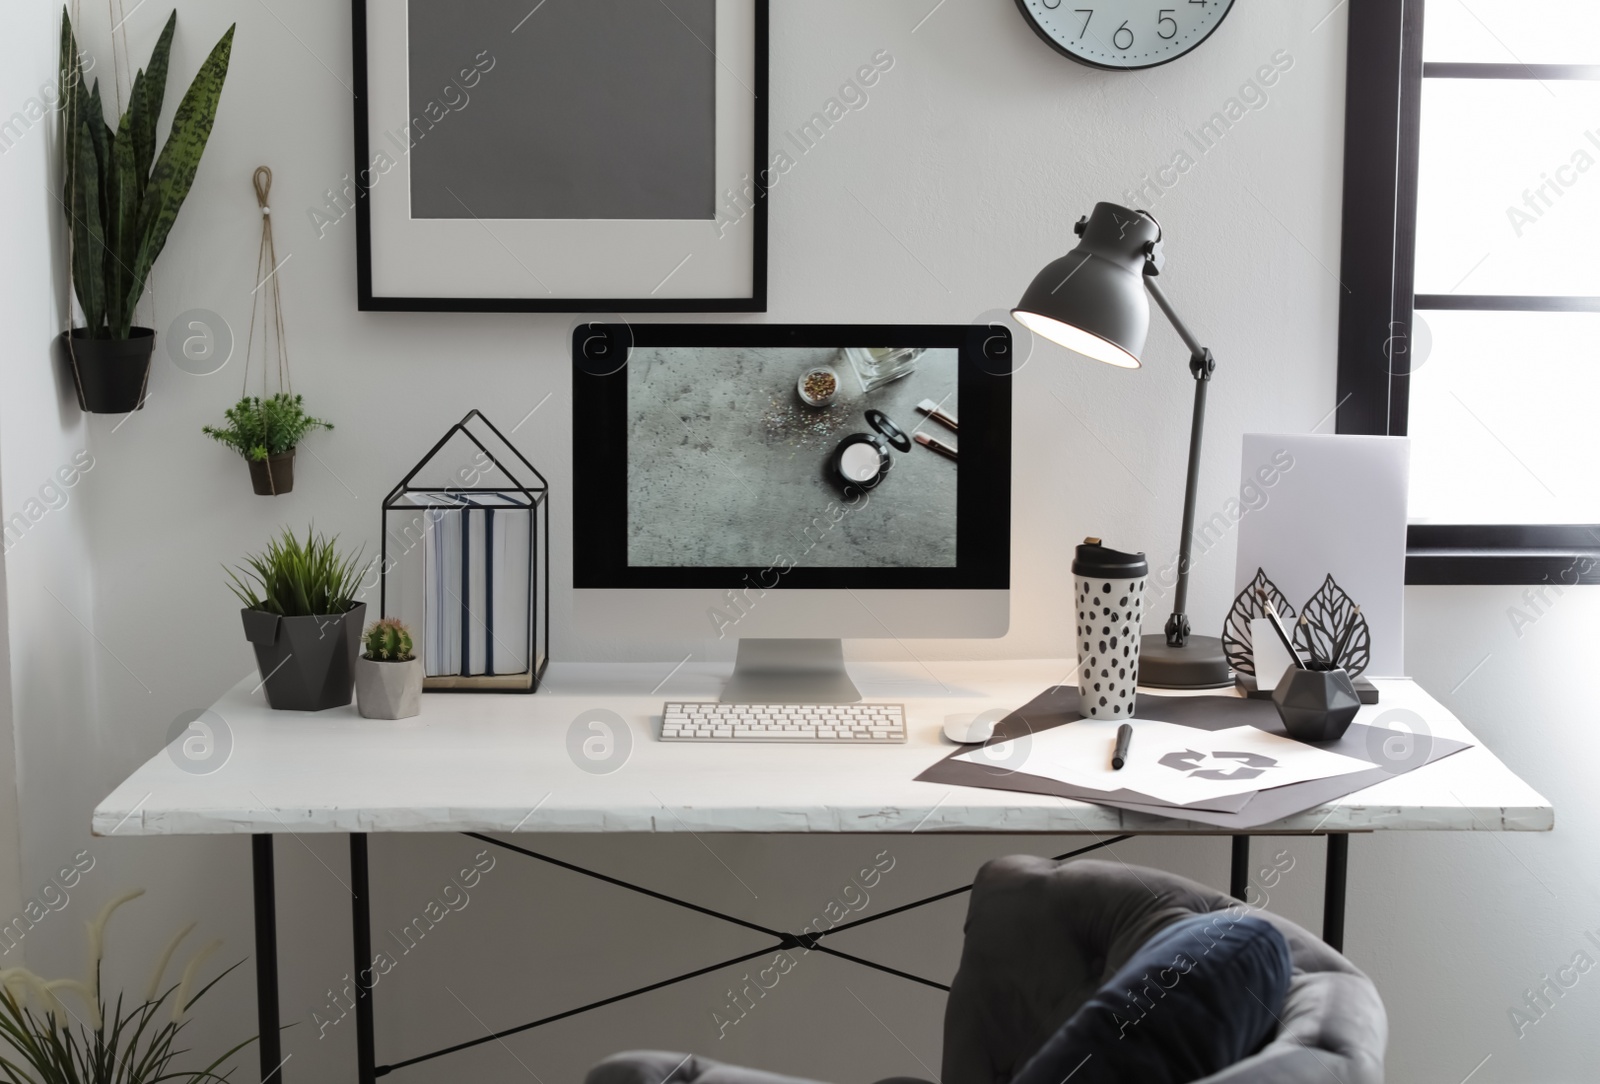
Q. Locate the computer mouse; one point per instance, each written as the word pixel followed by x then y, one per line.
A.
pixel 973 729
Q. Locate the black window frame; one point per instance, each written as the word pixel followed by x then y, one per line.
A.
pixel 1377 306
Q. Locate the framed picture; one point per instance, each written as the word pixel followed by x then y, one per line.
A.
pixel 530 156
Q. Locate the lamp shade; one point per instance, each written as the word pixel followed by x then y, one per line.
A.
pixel 1092 300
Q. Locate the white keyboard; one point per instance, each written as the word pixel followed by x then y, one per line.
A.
pixel 847 724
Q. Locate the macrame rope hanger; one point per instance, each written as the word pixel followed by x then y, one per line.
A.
pixel 268 298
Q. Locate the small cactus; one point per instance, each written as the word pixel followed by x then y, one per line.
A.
pixel 388 641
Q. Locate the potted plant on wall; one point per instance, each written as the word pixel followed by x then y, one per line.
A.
pixel 121 199
pixel 388 675
pixel 301 615
pixel 266 431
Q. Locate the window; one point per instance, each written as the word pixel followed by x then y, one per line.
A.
pixel 1470 315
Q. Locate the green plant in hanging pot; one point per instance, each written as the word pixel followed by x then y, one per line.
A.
pixel 266 431
pixel 301 615
pixel 121 198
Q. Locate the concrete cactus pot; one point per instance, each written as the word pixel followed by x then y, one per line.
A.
pixel 306 663
pixel 388 690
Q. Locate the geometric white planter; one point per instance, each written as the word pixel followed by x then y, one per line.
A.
pixel 388 690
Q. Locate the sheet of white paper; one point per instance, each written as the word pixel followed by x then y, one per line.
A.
pixel 1268 654
pixel 1177 764
pixel 1320 505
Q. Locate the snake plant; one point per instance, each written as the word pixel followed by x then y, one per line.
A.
pixel 120 195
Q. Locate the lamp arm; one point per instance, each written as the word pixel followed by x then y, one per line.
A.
pixel 1195 349
pixel 1201 366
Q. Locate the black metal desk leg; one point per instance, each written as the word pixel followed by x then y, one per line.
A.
pixel 1333 891
pixel 1239 879
pixel 361 938
pixel 266 960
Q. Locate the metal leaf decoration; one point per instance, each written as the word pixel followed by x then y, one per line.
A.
pixel 1326 618
pixel 1251 604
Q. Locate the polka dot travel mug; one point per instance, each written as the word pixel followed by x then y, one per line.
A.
pixel 1109 595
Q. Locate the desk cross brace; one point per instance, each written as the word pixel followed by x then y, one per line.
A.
pixel 782 942
pixel 270 1046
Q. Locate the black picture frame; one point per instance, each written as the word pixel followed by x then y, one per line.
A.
pixel 1383 114
pixel 983 493
pixel 368 301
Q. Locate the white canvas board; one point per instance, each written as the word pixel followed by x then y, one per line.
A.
pixel 1177 764
pixel 1339 508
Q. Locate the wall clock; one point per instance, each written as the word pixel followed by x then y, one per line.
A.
pixel 1124 35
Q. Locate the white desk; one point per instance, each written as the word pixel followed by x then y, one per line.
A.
pixel 501 764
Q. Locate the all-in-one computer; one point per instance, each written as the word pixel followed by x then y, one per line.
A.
pixel 789 486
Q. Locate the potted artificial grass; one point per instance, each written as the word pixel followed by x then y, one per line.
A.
pixel 301 616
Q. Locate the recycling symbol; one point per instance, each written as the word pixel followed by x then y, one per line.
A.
pixel 1189 761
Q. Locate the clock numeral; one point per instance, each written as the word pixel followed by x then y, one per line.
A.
pixel 1103 38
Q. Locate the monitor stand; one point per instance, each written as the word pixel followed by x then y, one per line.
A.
pixel 790 672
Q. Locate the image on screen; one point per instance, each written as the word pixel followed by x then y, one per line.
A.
pixel 730 467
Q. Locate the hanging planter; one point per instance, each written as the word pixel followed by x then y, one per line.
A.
pixel 266 432
pixel 272 475
pixel 121 199
pixel 111 374
pixel 266 429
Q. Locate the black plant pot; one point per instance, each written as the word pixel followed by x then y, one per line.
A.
pixel 274 475
pixel 306 663
pixel 1316 705
pixel 112 375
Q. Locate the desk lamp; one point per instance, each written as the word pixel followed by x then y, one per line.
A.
pixel 1092 301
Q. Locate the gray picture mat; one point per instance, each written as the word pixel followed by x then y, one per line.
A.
pixel 727 467
pixel 1058 706
pixel 593 109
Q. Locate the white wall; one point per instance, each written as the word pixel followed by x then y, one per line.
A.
pixel 52 659
pixel 935 203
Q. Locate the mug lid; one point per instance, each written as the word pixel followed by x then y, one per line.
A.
pixel 1095 560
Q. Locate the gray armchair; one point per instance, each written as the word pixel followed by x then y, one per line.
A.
pixel 1042 936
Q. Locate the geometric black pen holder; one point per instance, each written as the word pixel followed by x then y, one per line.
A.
pixel 1316 705
pixel 466 562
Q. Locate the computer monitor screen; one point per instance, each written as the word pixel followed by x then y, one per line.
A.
pixel 728 465
pixel 793 458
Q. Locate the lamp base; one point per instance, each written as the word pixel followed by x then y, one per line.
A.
pixel 1198 664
